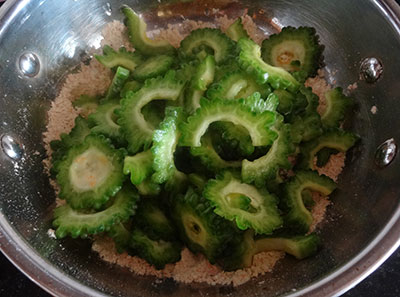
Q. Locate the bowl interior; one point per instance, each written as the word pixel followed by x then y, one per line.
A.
pixel 61 34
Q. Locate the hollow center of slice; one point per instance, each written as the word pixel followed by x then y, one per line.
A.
pixel 90 170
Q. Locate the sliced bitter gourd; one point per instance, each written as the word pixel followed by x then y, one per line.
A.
pixel 150 218
pixel 137 131
pixel 202 78
pixel 220 45
pixel 248 206
pixel 324 155
pixel 165 140
pixel 234 138
pixel 200 228
pixel 335 139
pixel 130 86
pixel 209 157
pixel 152 67
pixel 148 188
pixel 155 252
pixel 337 104
pixel 266 168
pixel 75 223
pixel 104 121
pixel 112 58
pixel 137 34
pixel 251 62
pixel 236 30
pixel 139 166
pixel 298 218
pixel 241 251
pixel 295 50
pixel 236 85
pixel 121 235
pixel 235 111
pixel 120 77
pixel 91 173
pixel 86 104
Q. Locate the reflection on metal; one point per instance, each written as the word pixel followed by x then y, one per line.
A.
pixel 385 153
pixel 371 69
pixel 11 147
pixel 29 64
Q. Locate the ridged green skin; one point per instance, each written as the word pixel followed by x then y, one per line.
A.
pixel 197 180
pixel 112 58
pixel 251 62
pixel 92 196
pixel 209 157
pixel 221 44
pixel 103 121
pixel 236 112
pixel 86 104
pixel 236 85
pixel 137 35
pixel 130 86
pixel 298 219
pixel 236 30
pixel 81 224
pixel 337 104
pixel 165 140
pixel 137 131
pixel 248 206
pixel 153 67
pixel 151 218
pixel 294 44
pixel 156 252
pixel 120 77
pixel 240 254
pixel 202 78
pixel 266 168
pixel 335 139
pixel 286 100
pixel 139 166
pixel 75 137
pixel 121 236
pixel 200 228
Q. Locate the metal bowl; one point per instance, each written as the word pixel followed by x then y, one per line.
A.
pixel 41 41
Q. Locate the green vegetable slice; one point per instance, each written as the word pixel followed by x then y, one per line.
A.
pixel 266 168
pixel 86 104
pixel 130 86
pixel 150 218
pixel 209 157
pixel 120 77
pixel 202 78
pixel 137 131
pixel 337 104
pixel 155 252
pixel 248 206
pixel 200 228
pixel 104 121
pixel 295 50
pixel 251 62
pixel 139 166
pixel 80 223
pixel 152 67
pixel 241 252
pixel 112 58
pixel 137 35
pixel 236 85
pixel 165 140
pixel 121 236
pixel 298 218
pixel 236 30
pixel 207 39
pixel 91 173
pixel 334 139
pixel 148 188
pixel 257 124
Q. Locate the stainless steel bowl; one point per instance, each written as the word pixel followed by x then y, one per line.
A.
pixel 41 41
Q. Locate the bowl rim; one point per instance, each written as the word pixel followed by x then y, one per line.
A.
pixel 58 283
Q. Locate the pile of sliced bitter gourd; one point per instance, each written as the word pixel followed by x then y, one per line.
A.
pixel 191 147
